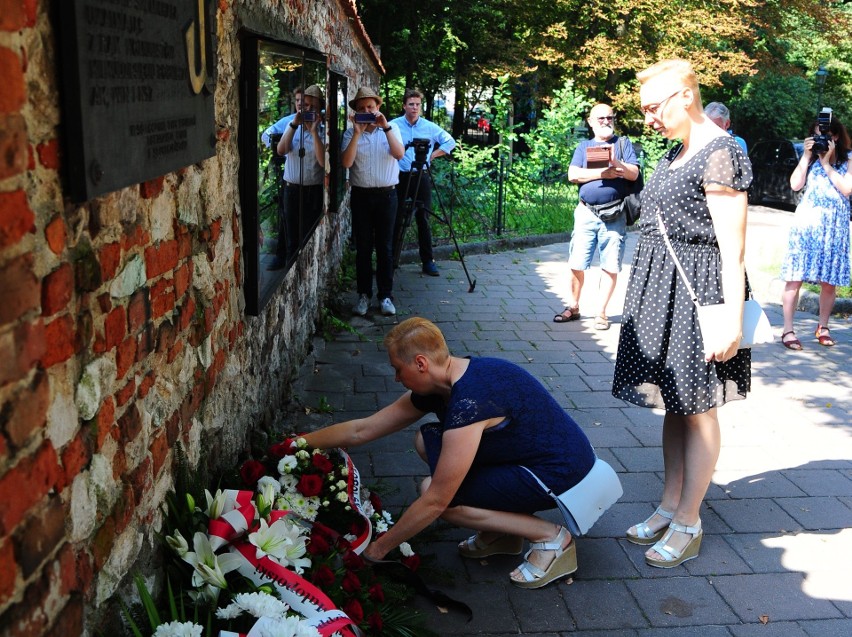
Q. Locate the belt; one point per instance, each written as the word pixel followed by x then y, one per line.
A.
pixel 379 189
pixel 600 206
pixel 294 185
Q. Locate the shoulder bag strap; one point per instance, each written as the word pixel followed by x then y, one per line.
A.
pixel 679 267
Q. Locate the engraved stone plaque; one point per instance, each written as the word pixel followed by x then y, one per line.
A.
pixel 138 79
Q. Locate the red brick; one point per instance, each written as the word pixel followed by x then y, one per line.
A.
pixel 215 230
pixel 159 451
pixel 14 93
pixel 75 570
pixel 104 421
pixel 115 327
pixel 39 536
pixel 27 348
pixel 140 479
pixel 183 279
pixel 25 484
pixel 57 289
pixel 12 15
pixel 9 572
pixel 26 412
pixel 144 343
pixel 21 288
pixel 70 620
pixel 146 384
pixel 162 297
pixel 184 246
pixel 125 356
pixel 75 456
pixel 55 234
pixel 16 218
pixel 124 508
pixel 103 542
pixel 125 393
pixel 152 188
pixel 237 271
pixel 138 310
pixel 187 312
pixel 136 237
pixel 104 303
pixel 174 352
pixel 48 154
pixel 110 258
pixel 60 341
pixel 14 149
pixel 161 258
pixel 31 9
pixel 129 425
pixel 173 427
pixel 119 463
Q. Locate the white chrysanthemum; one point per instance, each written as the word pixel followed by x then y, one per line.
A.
pixel 261 605
pixel 381 526
pixel 325 503
pixel 344 470
pixel 387 517
pixel 341 484
pixel 288 482
pixel 178 629
pixel 405 549
pixel 285 627
pixel 287 464
pixel 231 611
pixel 367 507
pixel 342 497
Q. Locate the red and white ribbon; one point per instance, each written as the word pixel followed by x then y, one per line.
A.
pixel 353 490
pixel 237 517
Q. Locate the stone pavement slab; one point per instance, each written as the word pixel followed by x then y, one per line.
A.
pixel 777 551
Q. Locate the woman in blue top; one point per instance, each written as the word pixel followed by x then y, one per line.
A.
pixel 495 419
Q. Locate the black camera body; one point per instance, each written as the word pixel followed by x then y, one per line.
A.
pixel 421 147
pixel 309 116
pixel 824 124
pixel 365 118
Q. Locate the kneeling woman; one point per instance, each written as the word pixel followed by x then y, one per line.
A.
pixel 496 421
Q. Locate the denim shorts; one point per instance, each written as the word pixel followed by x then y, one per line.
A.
pixel 590 234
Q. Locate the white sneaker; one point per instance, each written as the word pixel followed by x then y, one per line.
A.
pixel 387 307
pixel 361 306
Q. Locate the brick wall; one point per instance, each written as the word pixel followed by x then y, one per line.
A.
pixel 121 326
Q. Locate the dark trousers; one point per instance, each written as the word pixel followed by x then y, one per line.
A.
pixel 373 215
pixel 300 209
pixel 407 186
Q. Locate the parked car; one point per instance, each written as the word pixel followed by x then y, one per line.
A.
pixel 772 163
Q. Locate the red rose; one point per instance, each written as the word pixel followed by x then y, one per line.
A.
pixel 318 544
pixel 322 463
pixel 251 472
pixel 351 583
pixel 323 576
pixel 353 609
pixel 280 449
pixel 353 561
pixel 375 621
pixel 343 545
pixel 310 485
pixel 377 593
pixel 376 502
pixel 412 562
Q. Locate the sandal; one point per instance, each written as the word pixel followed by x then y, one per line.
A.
pixel 476 547
pixel 793 343
pixel 573 315
pixel 671 556
pixel 644 533
pixel 601 322
pixel 564 562
pixel 823 339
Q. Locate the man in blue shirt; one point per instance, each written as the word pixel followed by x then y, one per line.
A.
pixel 719 114
pixel 599 222
pixel 412 126
pixel 280 127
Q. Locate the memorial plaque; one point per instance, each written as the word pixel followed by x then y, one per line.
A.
pixel 138 79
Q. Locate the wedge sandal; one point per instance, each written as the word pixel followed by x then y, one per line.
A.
pixel 671 556
pixel 645 534
pixel 476 547
pixel 564 562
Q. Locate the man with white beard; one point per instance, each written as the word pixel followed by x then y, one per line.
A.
pixel 602 166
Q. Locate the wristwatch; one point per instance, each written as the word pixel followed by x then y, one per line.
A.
pixel 294 125
pixel 388 129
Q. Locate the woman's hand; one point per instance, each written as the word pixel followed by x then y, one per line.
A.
pixel 374 552
pixel 808 146
pixel 827 158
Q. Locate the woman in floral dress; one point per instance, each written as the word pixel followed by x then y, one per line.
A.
pixel 818 247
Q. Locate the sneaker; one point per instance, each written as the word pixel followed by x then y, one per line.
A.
pixel 387 307
pixel 361 306
pixel 431 269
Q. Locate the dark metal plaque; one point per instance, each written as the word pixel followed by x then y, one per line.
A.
pixel 138 79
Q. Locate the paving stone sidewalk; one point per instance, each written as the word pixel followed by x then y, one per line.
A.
pixel 776 560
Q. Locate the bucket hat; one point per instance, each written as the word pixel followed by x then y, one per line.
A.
pixel 314 91
pixel 362 93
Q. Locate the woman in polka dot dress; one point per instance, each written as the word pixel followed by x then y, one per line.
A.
pixel 699 191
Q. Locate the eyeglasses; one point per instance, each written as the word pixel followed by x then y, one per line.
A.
pixel 654 109
pixel 605 119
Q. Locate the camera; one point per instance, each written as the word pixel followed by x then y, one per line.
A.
pixel 309 116
pixel 274 138
pixel 421 147
pixel 365 118
pixel 824 124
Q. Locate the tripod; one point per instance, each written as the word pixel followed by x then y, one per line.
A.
pixel 410 203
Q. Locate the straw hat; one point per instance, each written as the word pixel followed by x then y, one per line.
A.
pixel 362 93
pixel 314 91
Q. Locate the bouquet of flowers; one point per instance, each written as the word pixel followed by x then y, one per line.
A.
pixel 280 554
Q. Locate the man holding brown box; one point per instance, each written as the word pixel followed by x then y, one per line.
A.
pixel 602 166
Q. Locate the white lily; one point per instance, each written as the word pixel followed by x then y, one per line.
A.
pixel 209 568
pixel 178 543
pixel 215 504
pixel 283 541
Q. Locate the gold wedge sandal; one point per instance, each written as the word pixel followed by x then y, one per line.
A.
pixel 476 547
pixel 564 562
pixel 644 534
pixel 671 556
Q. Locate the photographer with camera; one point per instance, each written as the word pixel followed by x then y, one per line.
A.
pixel 303 146
pixel 277 129
pixel 420 137
pixel 599 221
pixel 371 149
pixel 818 245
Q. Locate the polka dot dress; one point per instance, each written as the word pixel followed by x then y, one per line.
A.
pixel 660 360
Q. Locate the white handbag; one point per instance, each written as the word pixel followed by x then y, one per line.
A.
pixel 586 501
pixel 756 328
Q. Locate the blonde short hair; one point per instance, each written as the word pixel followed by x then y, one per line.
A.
pixel 417 336
pixel 679 69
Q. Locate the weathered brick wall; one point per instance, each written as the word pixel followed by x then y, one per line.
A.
pixel 121 325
